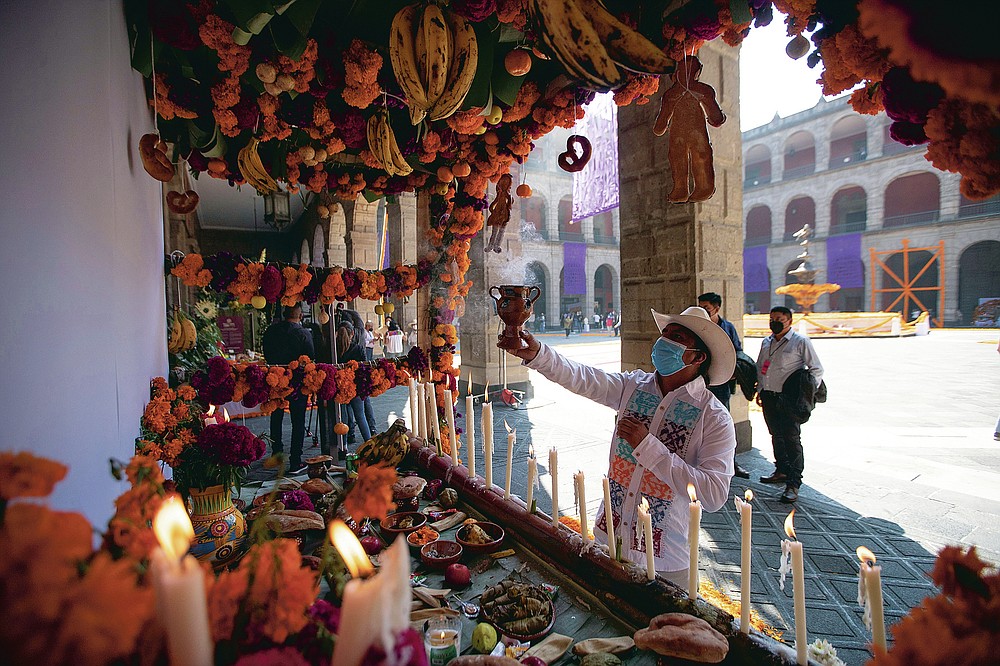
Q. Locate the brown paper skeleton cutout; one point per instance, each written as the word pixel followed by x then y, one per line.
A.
pixel 499 212
pixel 682 110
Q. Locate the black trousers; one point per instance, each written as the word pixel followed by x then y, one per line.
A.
pixel 786 438
pixel 297 411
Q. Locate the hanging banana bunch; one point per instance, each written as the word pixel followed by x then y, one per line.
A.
pixel 592 44
pixel 382 143
pixel 253 171
pixel 434 55
pixel 183 334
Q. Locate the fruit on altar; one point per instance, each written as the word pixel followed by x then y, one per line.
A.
pixel 484 638
pixel 448 498
pixel 388 308
pixel 341 429
pixel 379 310
pixel 517 62
pixel 523 190
pixel 445 174
pixel 266 72
pixel 253 170
pixel 532 660
pixel 461 169
pixel 388 447
pixel 382 144
pixel 433 489
pixel 457 575
pixel 496 115
pixel 258 302
pixel 371 544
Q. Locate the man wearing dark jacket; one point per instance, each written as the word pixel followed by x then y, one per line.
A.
pixel 285 341
pixel 782 354
pixel 712 304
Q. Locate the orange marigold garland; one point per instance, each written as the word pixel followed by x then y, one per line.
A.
pixel 192 271
pixel 26 475
pixel 964 138
pixel 371 494
pixel 361 67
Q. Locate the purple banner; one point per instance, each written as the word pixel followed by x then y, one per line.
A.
pixel 755 275
pixel 595 189
pixel 574 269
pixel 843 261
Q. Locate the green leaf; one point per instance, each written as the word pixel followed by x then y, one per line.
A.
pixel 241 37
pixel 505 86
pixel 740 11
pixel 479 93
pixel 301 14
pixel 371 197
pixel 509 34
pixel 246 12
pixel 216 146
pixel 259 22
pixel 287 38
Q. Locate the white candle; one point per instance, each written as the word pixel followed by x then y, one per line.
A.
pixel 794 549
pixel 376 610
pixel 746 520
pixel 554 473
pixel 532 474
pixel 581 497
pixel 470 430
pixel 413 406
pixel 694 525
pixel 870 594
pixel 421 416
pixel 504 355
pixel 511 438
pixel 433 413
pixel 488 443
pixel 180 588
pixel 449 416
pixel 609 518
pixel 646 523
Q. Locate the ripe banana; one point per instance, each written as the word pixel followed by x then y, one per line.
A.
pixel 627 47
pixel 176 336
pixel 402 54
pixel 462 69
pixel 253 169
pixel 382 143
pixel 433 43
pixel 389 447
pixel 190 332
pixel 575 42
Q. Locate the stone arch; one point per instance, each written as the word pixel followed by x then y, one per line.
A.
pixel 537 274
pixel 848 141
pixel 319 247
pixel 759 225
pixel 336 246
pixel 604 227
pixel 848 210
pixel 758 166
pixel 305 252
pixel 979 278
pixel 568 229
pixel 604 288
pixel 914 198
pixel 800 155
pixel 799 212
pixel 534 213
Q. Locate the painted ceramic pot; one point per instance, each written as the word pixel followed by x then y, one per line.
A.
pixel 220 530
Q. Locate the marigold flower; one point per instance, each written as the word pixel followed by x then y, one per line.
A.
pixel 371 494
pixel 26 475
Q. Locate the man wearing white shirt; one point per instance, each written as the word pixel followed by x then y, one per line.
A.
pixel 782 354
pixel 671 432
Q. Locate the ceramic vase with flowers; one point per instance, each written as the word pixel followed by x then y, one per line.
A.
pixel 208 472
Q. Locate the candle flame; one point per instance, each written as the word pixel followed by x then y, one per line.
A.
pixel 225 416
pixel 789 527
pixel 468 391
pixel 350 549
pixel 506 426
pixel 531 451
pixel 748 495
pixel 644 505
pixel 691 493
pixel 210 412
pixel 486 392
pixel 172 528
pixel 866 556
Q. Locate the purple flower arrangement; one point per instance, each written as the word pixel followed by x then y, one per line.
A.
pixel 230 444
pixel 295 500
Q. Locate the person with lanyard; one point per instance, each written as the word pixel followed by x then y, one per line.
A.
pixel 782 354
pixel 712 304
pixel 671 432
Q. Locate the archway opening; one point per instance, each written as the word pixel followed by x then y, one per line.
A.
pixel 568 229
pixel 604 290
pixel 800 212
pixel 848 141
pixel 800 156
pixel 758 167
pixel 759 226
pixel 848 211
pixel 534 274
pixel 979 284
pixel 922 291
pixel 533 216
pixel 913 199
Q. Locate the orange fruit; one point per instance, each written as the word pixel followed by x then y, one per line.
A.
pixel 340 429
pixel 461 169
pixel 523 190
pixel 518 62
pixel 445 174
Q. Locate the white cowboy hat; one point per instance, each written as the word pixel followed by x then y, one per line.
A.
pixel 723 352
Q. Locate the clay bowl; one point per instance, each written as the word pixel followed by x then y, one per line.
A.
pixel 492 529
pixel 441 553
pixel 401 523
pixel 416 534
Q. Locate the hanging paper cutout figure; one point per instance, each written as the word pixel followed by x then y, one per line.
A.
pixel 500 212
pixel 682 111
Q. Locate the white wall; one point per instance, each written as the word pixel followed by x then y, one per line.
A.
pixel 81 245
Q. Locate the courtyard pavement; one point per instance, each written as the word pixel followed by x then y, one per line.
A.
pixel 901 459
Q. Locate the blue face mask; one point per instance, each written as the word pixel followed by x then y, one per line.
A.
pixel 667 356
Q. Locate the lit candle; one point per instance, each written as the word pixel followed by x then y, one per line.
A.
pixel 214 416
pixel 488 443
pixel 421 416
pixel 870 595
pixel 413 406
pixel 746 519
pixel 376 610
pixel 581 497
pixel 470 429
pixel 180 587
pixel 793 550
pixel 646 523
pixel 449 416
pixel 443 639
pixel 532 475
pixel 609 518
pixel 511 437
pixel 554 473
pixel 694 525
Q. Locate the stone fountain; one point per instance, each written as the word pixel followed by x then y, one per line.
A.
pixel 806 292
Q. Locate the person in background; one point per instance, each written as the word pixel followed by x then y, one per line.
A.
pixel 411 336
pixel 711 302
pixel 323 355
pixel 670 432
pixel 283 342
pixel 783 353
pixel 368 338
pixel 567 323
pixel 349 350
pixel 541 322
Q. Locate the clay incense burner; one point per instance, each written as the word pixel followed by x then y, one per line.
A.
pixel 514 303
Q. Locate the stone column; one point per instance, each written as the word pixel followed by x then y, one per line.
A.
pixel 362 247
pixel 671 253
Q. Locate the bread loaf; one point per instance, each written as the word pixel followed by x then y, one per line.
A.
pixel 685 636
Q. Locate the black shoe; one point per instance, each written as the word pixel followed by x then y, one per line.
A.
pixel 295 468
pixel 790 495
pixel 777 477
pixel 741 473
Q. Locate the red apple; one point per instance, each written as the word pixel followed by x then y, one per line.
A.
pixel 531 660
pixel 371 544
pixel 457 575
